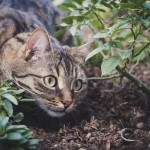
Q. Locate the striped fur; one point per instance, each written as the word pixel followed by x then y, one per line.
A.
pixel 32 59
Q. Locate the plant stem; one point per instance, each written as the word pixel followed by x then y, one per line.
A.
pixel 135 80
pixel 105 78
pixel 142 49
pixel 92 29
pixel 98 19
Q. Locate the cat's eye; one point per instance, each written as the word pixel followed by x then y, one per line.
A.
pixel 77 85
pixel 50 81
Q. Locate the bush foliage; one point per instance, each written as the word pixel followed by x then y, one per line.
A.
pixel 121 30
pixel 13 136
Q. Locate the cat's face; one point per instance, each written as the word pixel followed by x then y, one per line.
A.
pixel 52 73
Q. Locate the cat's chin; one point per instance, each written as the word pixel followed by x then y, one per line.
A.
pixel 55 113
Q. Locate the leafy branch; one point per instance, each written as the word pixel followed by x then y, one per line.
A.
pixel 121 41
pixel 135 80
pixel 142 49
pixel 13 135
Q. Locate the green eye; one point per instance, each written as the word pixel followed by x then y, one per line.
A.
pixel 77 85
pixel 50 81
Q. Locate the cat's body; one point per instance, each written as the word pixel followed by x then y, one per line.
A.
pixel 37 62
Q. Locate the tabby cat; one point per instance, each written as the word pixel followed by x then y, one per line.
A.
pixel 37 62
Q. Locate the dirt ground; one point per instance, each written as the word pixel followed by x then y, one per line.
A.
pixel 112 117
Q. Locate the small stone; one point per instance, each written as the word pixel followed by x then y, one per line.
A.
pixel 92 139
pixel 86 129
pixel 108 145
pixel 64 140
pixel 88 135
pixel 139 114
pixel 140 125
pixel 56 145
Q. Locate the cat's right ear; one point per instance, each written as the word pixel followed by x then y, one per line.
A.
pixel 37 43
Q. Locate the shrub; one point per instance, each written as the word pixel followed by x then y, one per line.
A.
pixel 121 30
pixel 13 136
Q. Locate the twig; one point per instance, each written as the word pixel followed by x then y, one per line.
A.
pixel 125 139
pixel 98 18
pixel 135 80
pixel 105 78
pixel 137 62
pixel 142 49
pixel 91 29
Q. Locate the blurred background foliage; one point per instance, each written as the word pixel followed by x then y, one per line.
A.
pixel 121 29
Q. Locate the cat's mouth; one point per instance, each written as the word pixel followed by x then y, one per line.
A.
pixel 59 113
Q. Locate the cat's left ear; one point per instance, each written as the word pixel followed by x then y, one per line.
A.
pixel 37 43
pixel 80 53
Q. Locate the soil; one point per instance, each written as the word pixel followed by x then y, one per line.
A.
pixel 112 117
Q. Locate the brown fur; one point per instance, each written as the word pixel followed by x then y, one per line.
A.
pixel 33 59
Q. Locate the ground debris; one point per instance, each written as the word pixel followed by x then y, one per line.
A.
pixel 108 109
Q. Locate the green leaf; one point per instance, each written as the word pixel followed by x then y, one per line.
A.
pixel 100 35
pixel 18 117
pixel 79 2
pixel 22 141
pixel 16 92
pixel 14 136
pixel 8 107
pixel 106 5
pixel 109 64
pixel 13 91
pixel 128 5
pixel 94 52
pixel 69 4
pixel 147 5
pixel 33 141
pixel 3 122
pixel 118 44
pixel 28 134
pixel 68 20
pixel 16 127
pixel 119 26
pixel 4 136
pixel 73 29
pixel 124 54
pixel 64 25
pixel 3 113
pixel 11 98
pixel 64 8
pixel 59 33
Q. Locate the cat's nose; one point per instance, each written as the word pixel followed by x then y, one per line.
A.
pixel 67 103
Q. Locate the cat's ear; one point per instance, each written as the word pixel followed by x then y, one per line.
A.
pixel 37 43
pixel 80 53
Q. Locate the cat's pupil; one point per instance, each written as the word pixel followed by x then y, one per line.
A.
pixel 50 81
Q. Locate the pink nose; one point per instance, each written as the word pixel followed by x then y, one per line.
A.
pixel 67 103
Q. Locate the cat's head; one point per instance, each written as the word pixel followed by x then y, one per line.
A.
pixel 52 73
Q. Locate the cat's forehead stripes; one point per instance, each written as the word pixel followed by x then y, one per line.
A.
pixel 63 64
